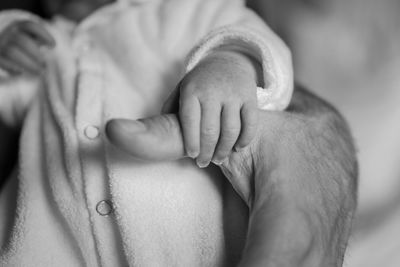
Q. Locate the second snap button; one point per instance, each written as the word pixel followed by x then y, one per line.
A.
pixel 104 208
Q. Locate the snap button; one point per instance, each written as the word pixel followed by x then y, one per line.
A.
pixel 92 132
pixel 104 208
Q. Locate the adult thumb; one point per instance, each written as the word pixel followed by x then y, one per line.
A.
pixel 155 138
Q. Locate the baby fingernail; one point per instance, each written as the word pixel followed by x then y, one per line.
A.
pixel 217 162
pixel 191 154
pixel 202 164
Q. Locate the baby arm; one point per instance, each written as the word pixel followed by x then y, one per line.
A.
pixel 22 37
pixel 237 65
pixel 218 106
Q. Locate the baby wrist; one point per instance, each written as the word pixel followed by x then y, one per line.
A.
pixel 272 57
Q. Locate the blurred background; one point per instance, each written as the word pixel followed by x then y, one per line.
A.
pixel 347 51
pixel 31 5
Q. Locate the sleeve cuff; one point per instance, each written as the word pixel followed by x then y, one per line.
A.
pixel 277 87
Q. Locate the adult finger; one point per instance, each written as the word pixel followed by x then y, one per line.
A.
pixel 209 132
pixel 39 32
pixel 190 115
pixel 152 139
pixel 230 130
pixel 249 119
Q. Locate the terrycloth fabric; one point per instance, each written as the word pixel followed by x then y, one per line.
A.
pixel 122 62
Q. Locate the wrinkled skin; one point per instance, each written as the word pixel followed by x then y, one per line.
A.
pixel 298 177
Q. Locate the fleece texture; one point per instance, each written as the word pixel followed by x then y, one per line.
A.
pixel 122 62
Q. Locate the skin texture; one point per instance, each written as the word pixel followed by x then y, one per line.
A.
pixel 217 106
pixel 298 177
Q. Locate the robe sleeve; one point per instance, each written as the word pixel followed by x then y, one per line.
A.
pixel 237 27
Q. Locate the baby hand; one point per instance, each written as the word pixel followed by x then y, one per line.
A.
pixel 218 107
pixel 20 47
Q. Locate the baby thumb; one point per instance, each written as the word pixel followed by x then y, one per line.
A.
pixel 156 138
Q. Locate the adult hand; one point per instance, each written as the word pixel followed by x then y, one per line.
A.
pixel 298 177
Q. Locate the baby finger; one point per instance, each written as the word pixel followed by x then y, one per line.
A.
pixel 230 130
pixel 190 114
pixel 209 133
pixel 249 119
